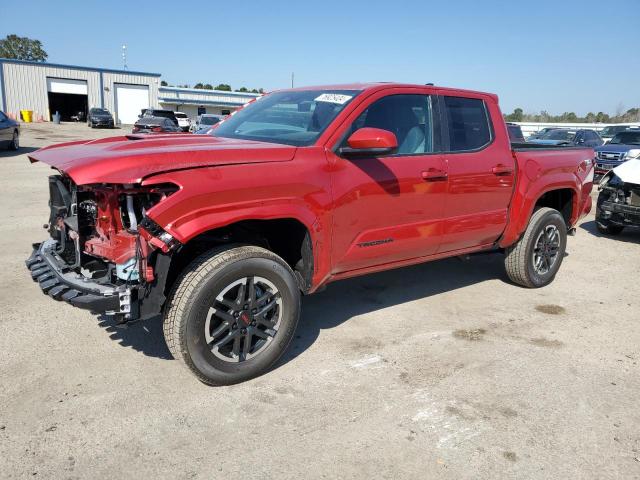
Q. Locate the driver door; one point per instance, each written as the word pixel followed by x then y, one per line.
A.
pixel 389 208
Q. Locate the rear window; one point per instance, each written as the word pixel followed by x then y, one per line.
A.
pixel 181 115
pixel 468 123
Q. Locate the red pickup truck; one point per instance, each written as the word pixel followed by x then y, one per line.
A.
pixel 223 233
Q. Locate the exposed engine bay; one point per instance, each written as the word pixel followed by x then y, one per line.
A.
pixel 100 235
pixel 619 199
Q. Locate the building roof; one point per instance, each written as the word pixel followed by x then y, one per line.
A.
pixel 77 67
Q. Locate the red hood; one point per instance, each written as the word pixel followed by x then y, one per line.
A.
pixel 129 159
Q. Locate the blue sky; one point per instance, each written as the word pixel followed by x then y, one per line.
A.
pixel 562 55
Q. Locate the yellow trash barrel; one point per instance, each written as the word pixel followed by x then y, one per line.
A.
pixel 27 115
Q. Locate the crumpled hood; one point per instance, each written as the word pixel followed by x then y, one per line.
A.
pixel 131 158
pixel 629 172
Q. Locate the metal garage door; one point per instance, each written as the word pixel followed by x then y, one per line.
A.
pixel 130 99
pixel 65 85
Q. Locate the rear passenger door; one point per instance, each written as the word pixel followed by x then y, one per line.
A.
pixel 480 169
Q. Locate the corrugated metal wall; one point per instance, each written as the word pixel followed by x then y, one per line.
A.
pixel 25 86
pixel 193 95
pixel 129 79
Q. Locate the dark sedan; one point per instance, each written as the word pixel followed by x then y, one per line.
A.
pixel 569 137
pixel 9 133
pixel 100 117
pixel 156 125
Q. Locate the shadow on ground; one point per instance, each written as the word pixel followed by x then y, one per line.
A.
pixel 15 153
pixel 629 234
pixel 341 301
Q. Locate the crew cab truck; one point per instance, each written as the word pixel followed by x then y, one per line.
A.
pixel 223 233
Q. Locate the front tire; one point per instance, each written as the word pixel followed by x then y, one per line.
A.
pixel 232 314
pixel 15 141
pixel 536 258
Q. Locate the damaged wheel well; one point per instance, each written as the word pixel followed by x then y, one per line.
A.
pixel 286 237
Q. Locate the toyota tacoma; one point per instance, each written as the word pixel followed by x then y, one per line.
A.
pixel 223 233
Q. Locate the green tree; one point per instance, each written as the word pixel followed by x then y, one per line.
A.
pixel 163 83
pixel 242 89
pixel 224 87
pixel 22 48
pixel 516 116
pixel 208 86
pixel 198 85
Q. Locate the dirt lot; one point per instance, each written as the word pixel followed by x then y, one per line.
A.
pixel 443 370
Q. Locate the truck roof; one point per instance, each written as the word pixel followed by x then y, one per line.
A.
pixel 373 86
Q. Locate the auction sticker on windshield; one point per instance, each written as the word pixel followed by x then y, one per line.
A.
pixel 333 98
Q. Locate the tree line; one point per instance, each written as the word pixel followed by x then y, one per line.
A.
pixel 225 87
pixel 518 115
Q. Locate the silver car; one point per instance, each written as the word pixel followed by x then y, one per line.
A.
pixel 206 120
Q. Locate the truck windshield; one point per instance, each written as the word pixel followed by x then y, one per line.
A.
pixel 289 117
pixel 626 138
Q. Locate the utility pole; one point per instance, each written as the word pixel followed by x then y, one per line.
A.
pixel 291 79
pixel 124 56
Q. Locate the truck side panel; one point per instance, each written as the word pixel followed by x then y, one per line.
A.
pixel 541 171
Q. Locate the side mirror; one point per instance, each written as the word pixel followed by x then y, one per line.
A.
pixel 370 142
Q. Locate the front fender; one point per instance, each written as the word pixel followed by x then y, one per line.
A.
pixel 211 198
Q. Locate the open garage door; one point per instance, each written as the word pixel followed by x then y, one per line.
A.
pixel 130 100
pixel 68 97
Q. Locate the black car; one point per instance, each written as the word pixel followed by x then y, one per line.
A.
pixel 9 133
pixel 569 137
pixel 99 117
pixel 156 125
pixel 515 133
pixel 158 112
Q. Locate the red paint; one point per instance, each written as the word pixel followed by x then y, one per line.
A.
pixel 363 215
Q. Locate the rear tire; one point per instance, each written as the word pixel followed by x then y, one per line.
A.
pixel 232 313
pixel 536 258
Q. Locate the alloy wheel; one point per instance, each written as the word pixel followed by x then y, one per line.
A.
pixel 546 249
pixel 244 319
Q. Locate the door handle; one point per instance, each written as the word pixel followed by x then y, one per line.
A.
pixel 434 175
pixel 502 170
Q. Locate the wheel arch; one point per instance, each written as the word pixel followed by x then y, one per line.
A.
pixel 288 237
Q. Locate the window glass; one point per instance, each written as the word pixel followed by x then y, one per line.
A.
pixel 2 117
pixel 408 117
pixel 468 123
pixel 291 117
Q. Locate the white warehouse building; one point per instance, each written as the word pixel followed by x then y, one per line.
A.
pixel 47 88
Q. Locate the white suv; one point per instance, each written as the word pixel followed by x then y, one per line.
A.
pixel 183 121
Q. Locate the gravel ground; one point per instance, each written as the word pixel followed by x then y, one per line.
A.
pixel 443 370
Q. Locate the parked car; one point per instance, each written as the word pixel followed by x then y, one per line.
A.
pixel 562 136
pixel 540 133
pixel 155 125
pixel 206 120
pixel 9 133
pixel 609 132
pixel 623 146
pixel 618 204
pixel 205 130
pixel 183 121
pixel 223 233
pixel 79 116
pixel 515 133
pixel 159 112
pixel 100 117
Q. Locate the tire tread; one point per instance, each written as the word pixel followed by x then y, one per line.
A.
pixel 174 323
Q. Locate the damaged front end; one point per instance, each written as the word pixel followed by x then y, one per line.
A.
pixel 619 199
pixel 104 254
